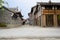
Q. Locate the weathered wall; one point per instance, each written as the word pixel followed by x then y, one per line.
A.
pixel 7 18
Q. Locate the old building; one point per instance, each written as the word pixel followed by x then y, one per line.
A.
pixel 11 16
pixel 47 14
pixel 32 16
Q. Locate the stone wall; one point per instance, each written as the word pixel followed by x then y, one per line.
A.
pixel 7 18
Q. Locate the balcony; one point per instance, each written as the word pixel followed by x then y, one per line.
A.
pixel 48 11
pixel 58 11
pixel 45 11
pixel 51 11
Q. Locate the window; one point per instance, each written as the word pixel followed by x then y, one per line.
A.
pixel 43 7
pixel 48 7
pixel 58 7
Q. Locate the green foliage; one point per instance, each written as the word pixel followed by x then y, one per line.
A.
pixel 3 25
pixel 1 3
pixel 59 17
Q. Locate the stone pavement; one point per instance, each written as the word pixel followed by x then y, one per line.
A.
pixel 31 39
pixel 28 32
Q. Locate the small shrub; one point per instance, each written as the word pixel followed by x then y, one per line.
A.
pixel 3 25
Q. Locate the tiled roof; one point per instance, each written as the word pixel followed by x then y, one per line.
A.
pixel 49 3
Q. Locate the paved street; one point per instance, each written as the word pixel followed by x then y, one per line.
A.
pixel 27 32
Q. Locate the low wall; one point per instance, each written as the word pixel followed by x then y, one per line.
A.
pixel 13 25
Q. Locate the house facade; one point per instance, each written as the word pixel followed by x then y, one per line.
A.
pixel 32 16
pixel 48 14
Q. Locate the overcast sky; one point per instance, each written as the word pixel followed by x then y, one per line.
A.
pixel 25 5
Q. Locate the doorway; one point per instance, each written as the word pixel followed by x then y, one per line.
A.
pixel 49 20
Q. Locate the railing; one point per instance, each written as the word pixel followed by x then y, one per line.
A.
pixel 57 11
pixel 50 11
pixel 45 11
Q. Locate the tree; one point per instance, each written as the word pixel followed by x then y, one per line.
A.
pixel 1 3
